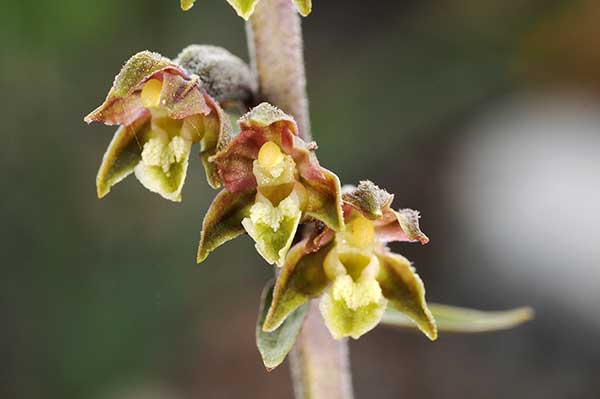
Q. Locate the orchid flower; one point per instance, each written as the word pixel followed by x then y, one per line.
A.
pixel 161 110
pixel 272 182
pixel 353 271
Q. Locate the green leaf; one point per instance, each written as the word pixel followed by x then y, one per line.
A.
pixel 463 320
pixel 405 291
pixel 324 200
pixel 302 277
pixel 244 8
pixel 304 6
pixel 122 156
pixel 275 345
pixel 223 220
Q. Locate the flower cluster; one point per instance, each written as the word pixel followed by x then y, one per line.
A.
pixel 328 242
pixel 273 189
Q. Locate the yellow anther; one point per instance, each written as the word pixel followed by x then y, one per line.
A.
pixel 269 155
pixel 362 231
pixel 151 93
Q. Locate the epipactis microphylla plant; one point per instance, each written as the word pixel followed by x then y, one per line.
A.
pixel 326 242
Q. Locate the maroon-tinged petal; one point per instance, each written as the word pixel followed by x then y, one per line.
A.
pixel 303 154
pixel 122 155
pixel 234 163
pixel 402 225
pixel 265 115
pixel 223 220
pixel 120 111
pixel 182 97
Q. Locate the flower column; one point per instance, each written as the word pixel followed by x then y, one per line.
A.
pixel 320 364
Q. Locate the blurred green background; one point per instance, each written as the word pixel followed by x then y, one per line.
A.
pixel 482 114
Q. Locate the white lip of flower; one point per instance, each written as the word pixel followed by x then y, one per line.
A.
pixel 264 224
pixel 355 290
pixel 157 152
pixel 356 294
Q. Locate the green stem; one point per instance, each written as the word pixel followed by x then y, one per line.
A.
pixel 320 365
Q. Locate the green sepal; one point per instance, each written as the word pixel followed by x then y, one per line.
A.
pixel 324 200
pixel 121 157
pixel 304 6
pixel 275 345
pixel 463 320
pixel 135 70
pixel 368 198
pixel 405 291
pixel 187 4
pixel 244 8
pixel 217 133
pixel 223 220
pixel 264 115
pixel 301 278
pixel 166 183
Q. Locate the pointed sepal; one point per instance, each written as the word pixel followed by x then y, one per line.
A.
pixel 276 344
pixel 301 278
pixel 187 4
pixel 243 8
pixel 401 225
pixel 304 7
pixel 122 155
pixel 463 320
pixel 368 199
pixel 405 291
pixel 223 220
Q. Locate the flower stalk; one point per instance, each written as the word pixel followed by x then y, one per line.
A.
pixel 319 364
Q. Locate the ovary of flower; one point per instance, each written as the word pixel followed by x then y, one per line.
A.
pixel 265 213
pixel 158 153
pixel 356 294
pixel 150 95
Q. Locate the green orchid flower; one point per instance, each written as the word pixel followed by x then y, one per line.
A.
pixel 353 271
pixel 273 182
pixel 161 110
pixel 245 8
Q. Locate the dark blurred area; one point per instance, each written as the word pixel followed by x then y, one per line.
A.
pixel 482 114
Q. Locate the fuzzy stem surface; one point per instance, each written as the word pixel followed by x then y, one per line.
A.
pixel 319 364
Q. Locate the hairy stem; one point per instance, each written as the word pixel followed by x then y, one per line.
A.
pixel 320 365
pixel 275 46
